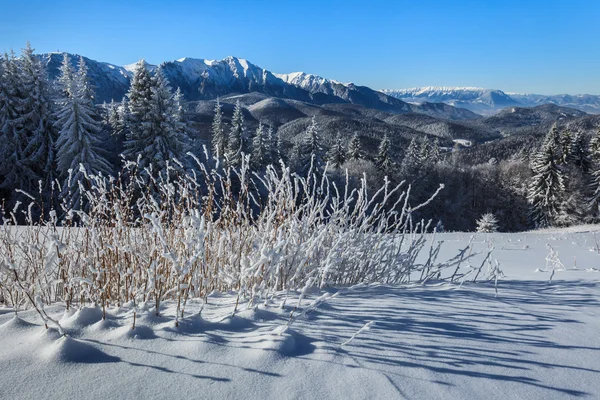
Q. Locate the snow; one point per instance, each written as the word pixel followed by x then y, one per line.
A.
pixel 463 142
pixel 437 90
pixel 534 340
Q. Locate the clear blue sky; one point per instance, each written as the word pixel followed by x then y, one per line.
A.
pixel 540 46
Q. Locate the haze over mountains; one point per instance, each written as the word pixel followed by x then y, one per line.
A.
pixel 489 101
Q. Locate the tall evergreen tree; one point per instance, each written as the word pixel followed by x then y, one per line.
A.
pixel 79 143
pixel 35 124
pixel 138 110
pixel 182 130
pixel 566 146
pixel 412 158
pixel 10 147
pixel 383 160
pixel 260 149
pixel 274 145
pixel 219 139
pixel 435 154
pixel 236 137
pixel 424 151
pixel 354 148
pixel 337 154
pixel 594 185
pixel 66 78
pixel 153 130
pixel 309 151
pixel 580 152
pixel 546 189
pixel 115 120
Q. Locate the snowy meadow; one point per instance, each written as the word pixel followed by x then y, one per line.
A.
pixel 277 285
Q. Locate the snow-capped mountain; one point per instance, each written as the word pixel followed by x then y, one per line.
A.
pixel 479 100
pixel 203 79
pixel 489 101
pixel 584 102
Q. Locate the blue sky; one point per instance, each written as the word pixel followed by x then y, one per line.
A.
pixel 535 46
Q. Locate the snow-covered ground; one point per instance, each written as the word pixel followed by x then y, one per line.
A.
pixel 535 340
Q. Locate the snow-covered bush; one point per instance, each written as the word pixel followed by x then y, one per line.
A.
pixel 487 223
pixel 214 229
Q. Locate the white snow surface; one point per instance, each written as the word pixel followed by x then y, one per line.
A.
pixel 535 340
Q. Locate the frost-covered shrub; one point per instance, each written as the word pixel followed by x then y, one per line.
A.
pixel 185 235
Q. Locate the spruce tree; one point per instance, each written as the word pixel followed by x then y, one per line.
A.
pixel 594 185
pixel 153 130
pixel 309 152
pixel 580 153
pixel 435 154
pixel 66 78
pixel 259 148
pixel 274 145
pixel 137 114
pixel 412 159
pixel 79 143
pixel 424 151
pixel 383 160
pixel 234 142
pixel 219 139
pixel 115 120
pixel 167 141
pixel 336 155
pixel 487 223
pixel 547 187
pixel 35 128
pixel 566 146
pixel 354 148
pixel 182 130
pixel 11 148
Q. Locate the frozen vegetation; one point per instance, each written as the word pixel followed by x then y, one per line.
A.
pixel 270 286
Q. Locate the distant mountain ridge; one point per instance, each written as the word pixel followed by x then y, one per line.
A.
pixel 203 79
pixel 489 101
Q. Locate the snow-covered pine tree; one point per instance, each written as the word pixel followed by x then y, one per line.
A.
pixel 594 185
pixel 383 160
pixel 79 144
pixel 337 154
pixel 274 145
pixel 546 189
pixel 435 154
pixel 12 170
pixel 115 120
pixel 354 148
pixel 412 158
pixel 153 133
pixel 566 146
pixel 165 141
pixel 310 151
pixel 580 152
pixel 65 78
pixel 219 139
pixel 36 131
pixel 236 137
pixel 137 114
pixel 487 223
pixel 182 129
pixel 10 147
pixel 260 148
pixel 424 151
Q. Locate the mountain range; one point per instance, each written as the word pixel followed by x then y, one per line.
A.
pixel 289 101
pixel 201 79
pixel 490 101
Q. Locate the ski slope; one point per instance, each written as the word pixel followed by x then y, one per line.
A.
pixel 535 340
